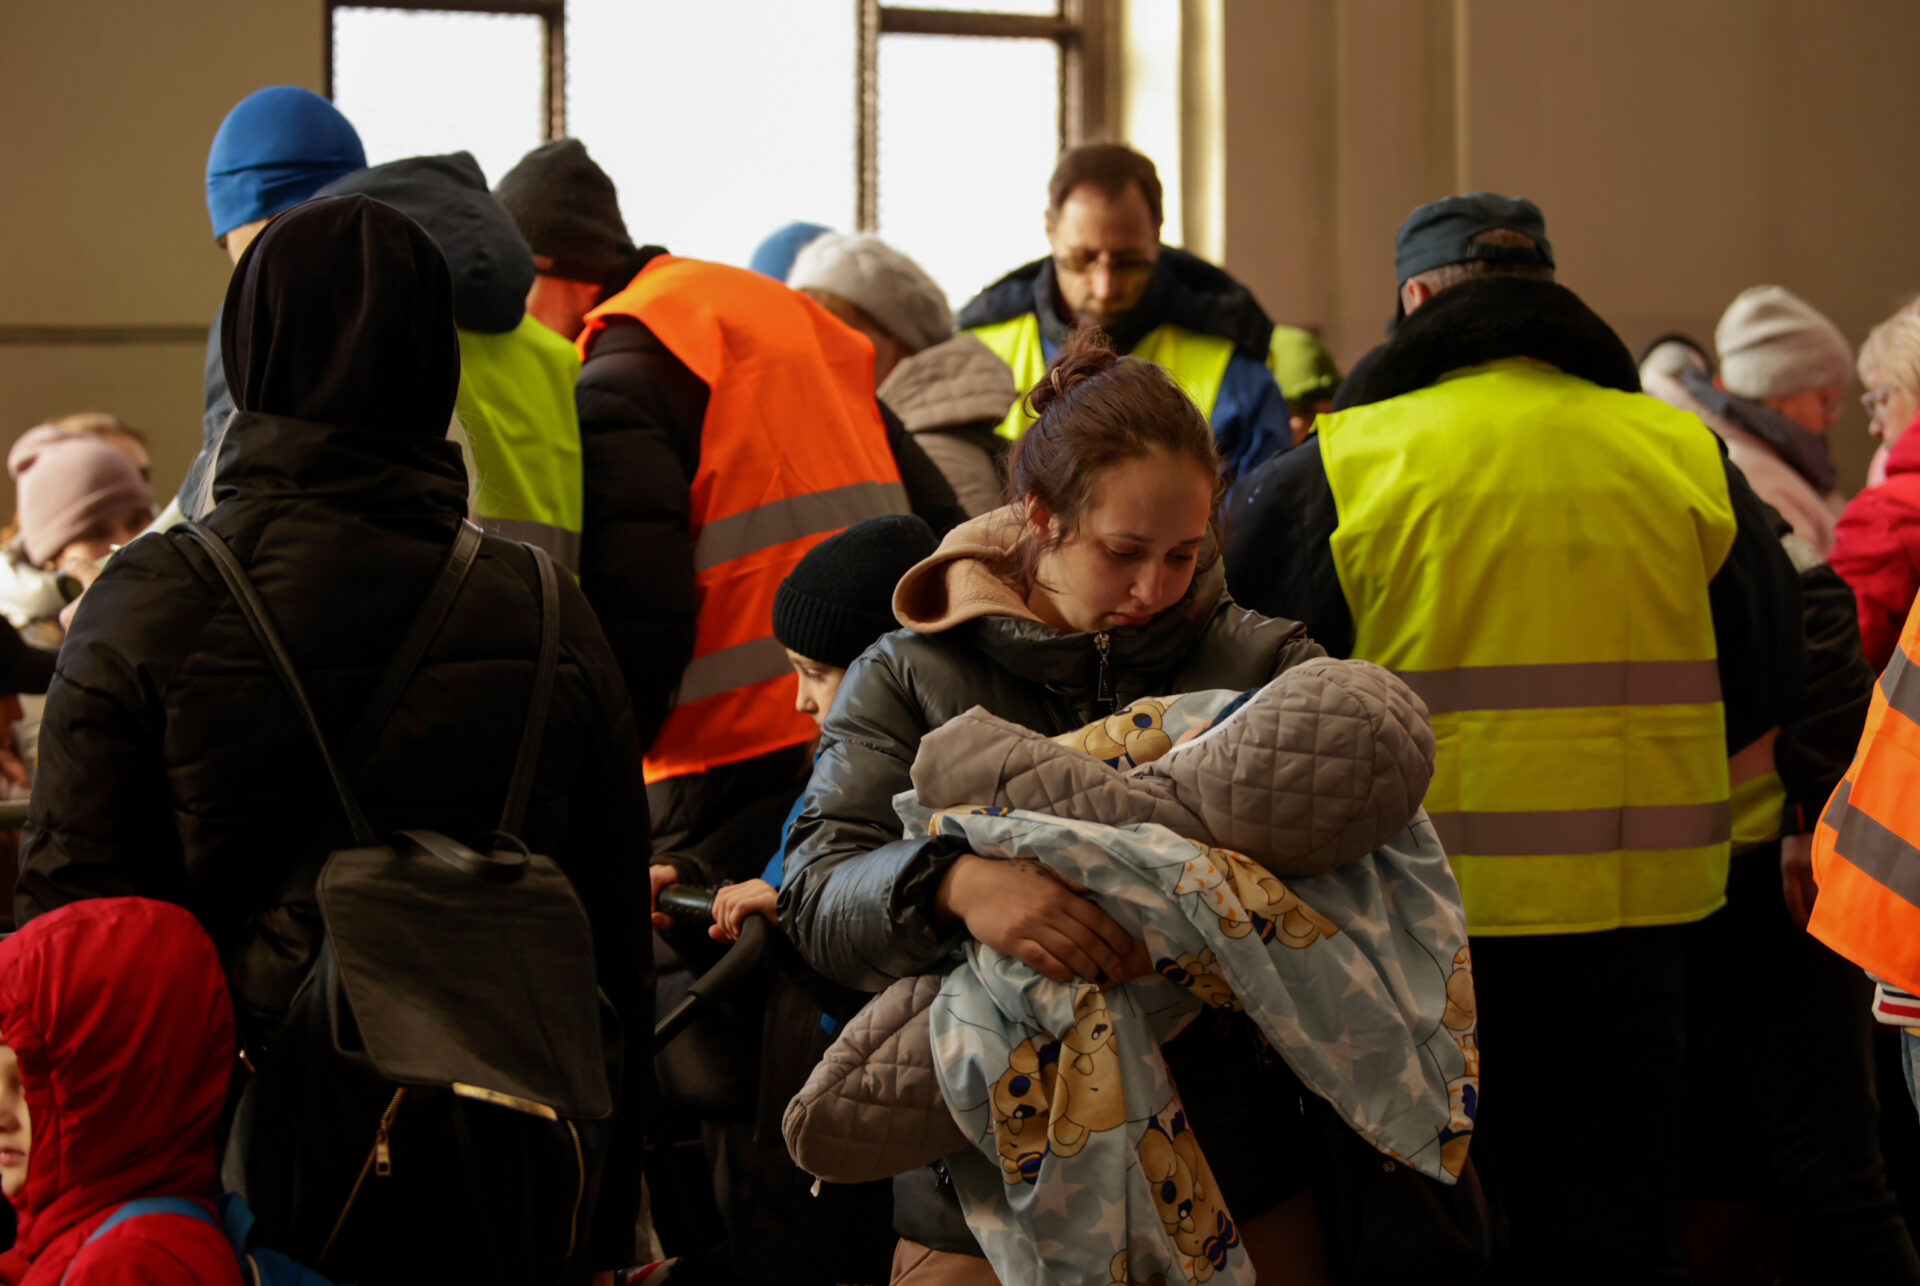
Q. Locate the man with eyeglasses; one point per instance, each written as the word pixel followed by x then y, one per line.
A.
pixel 1108 269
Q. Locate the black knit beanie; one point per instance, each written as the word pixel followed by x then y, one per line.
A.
pixel 567 210
pixel 839 599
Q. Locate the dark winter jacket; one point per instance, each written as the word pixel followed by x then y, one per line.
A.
pixel 174 766
pixel 858 899
pixel 1822 728
pixel 1281 518
pixel 1823 722
pixel 119 1018
pixel 196 489
pixel 641 412
pixel 1250 417
pixel 447 195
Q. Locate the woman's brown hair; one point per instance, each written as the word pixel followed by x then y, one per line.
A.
pixel 1094 409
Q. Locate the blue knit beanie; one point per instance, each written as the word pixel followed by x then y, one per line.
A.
pixel 276 148
pixel 774 257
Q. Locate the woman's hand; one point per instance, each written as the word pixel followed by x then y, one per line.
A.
pixel 660 875
pixel 1021 908
pixel 735 902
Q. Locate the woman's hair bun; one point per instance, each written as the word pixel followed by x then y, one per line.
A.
pixel 1088 353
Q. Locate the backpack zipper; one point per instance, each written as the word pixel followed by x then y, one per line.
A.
pixel 580 1193
pixel 1101 642
pixel 379 1160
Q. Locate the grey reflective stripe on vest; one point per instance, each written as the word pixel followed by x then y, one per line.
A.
pixel 562 546
pixel 1555 687
pixel 1905 699
pixel 1584 830
pixel 732 667
pixel 778 521
pixel 1889 860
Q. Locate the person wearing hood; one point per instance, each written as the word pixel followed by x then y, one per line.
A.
pixel 340 495
pixel 116 1042
pixel 1100 586
pixel 728 425
pixel 1560 566
pixel 1107 269
pixel 950 391
pixel 275 149
pixel 516 409
pixel 1783 370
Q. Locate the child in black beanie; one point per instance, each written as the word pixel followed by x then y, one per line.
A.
pixel 834 605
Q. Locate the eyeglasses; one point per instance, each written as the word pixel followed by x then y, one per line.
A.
pixel 1876 399
pixel 1121 264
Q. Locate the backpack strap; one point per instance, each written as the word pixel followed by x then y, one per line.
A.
pixel 261 624
pixel 413 647
pixel 145 1206
pixel 521 786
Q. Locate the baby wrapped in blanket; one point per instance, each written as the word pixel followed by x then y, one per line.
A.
pixel 1269 850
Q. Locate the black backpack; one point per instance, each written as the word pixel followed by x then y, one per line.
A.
pixel 437 1103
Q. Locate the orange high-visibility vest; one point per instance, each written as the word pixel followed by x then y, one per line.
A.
pixel 1866 849
pixel 792 450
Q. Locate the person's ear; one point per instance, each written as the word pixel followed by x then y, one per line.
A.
pixel 1413 293
pixel 1039 521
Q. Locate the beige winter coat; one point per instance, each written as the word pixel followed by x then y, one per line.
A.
pixel 951 397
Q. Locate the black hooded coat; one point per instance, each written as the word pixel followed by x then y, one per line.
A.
pixel 174 766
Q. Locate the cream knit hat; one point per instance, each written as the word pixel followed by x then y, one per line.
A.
pixel 1775 344
pixel 881 282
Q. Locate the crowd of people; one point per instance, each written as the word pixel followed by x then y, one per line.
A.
pixel 1207 814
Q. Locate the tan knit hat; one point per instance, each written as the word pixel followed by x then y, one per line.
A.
pixel 70 486
pixel 1775 344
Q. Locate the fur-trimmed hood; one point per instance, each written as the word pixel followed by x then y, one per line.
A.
pixel 1486 319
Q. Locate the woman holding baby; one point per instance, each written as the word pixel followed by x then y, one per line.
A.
pixel 1097 586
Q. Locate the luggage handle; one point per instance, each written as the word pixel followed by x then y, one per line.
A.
pixel 494 868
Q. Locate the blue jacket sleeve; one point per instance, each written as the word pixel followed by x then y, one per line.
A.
pixel 1251 422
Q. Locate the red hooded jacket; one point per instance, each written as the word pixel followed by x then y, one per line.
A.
pixel 117 1010
pixel 1876 549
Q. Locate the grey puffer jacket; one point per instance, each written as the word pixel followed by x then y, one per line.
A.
pixel 858 899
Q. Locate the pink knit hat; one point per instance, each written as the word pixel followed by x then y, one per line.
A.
pixel 69 486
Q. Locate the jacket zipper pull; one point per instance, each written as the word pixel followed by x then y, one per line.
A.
pixel 382 1149
pixel 1102 642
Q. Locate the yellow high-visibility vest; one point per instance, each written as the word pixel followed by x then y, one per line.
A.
pixel 1198 363
pixel 1531 552
pixel 516 405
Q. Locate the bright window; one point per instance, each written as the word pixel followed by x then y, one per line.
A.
pixel 421 82
pixel 718 122
pixel 935 124
pixel 969 134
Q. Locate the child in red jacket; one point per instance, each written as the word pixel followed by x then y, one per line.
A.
pixel 116 1041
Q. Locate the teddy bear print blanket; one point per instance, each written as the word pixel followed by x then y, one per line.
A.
pixel 1082 1165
